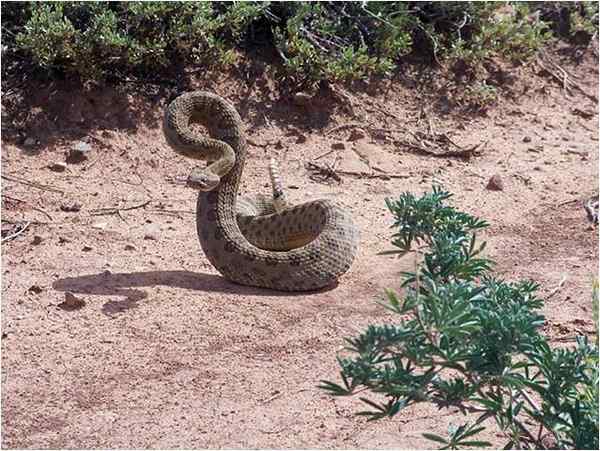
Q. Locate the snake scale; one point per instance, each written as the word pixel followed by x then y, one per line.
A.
pixel 256 241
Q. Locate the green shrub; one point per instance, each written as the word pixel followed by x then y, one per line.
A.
pixel 471 341
pixel 315 40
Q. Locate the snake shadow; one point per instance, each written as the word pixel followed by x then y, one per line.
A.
pixel 128 285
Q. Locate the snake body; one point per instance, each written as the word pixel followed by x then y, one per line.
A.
pixel 257 241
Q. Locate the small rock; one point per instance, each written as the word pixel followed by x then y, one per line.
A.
pixel 293 187
pixel 526 139
pixel 82 146
pixel 495 183
pixel 300 139
pixel 62 239
pixel 586 114
pixel 30 142
pixel 356 134
pixel 152 233
pixel 71 208
pixel 78 152
pixel 278 145
pixel 71 302
pixel 380 135
pixel 86 248
pixel 129 247
pixel 35 289
pixel 57 167
pixel 302 99
pixel 36 240
pixel 338 146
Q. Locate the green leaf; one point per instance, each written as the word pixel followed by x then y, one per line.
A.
pixel 435 438
pixel 479 444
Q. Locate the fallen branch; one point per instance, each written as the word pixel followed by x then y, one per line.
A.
pixel 32 184
pixel 327 172
pixel 558 287
pixel 343 127
pixel 17 233
pixel 322 173
pixel 324 154
pixel 372 175
pixel 32 206
pixel 116 210
pixel 460 153
pixel 551 67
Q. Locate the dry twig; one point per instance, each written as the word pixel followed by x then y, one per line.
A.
pixel 17 233
pixel 32 184
pixel 38 209
pixel 116 210
pixel 558 287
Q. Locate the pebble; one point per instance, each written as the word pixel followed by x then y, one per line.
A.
pixel 300 139
pixel 129 247
pixel 36 240
pixel 82 146
pixel 527 139
pixel 356 134
pixel 35 289
pixel 86 248
pixel 152 233
pixel 71 302
pixel 57 167
pixel 78 152
pixel 71 208
pixel 302 98
pixel 338 146
pixel 495 183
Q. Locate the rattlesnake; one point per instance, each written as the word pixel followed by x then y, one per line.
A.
pixel 257 241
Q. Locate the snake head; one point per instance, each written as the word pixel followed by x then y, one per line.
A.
pixel 202 180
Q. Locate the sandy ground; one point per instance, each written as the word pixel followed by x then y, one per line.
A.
pixel 167 354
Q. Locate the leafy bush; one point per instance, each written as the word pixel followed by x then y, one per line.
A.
pixel 315 40
pixel 471 341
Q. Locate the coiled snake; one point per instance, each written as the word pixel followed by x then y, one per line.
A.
pixel 255 241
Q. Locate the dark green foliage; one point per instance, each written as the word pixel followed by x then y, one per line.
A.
pixel 468 340
pixel 313 40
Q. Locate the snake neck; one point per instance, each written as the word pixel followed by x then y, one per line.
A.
pixel 225 195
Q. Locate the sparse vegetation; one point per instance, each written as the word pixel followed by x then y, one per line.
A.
pixel 469 341
pixel 311 41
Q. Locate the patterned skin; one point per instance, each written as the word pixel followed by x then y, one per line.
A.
pixel 257 241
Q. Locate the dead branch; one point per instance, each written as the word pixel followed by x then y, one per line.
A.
pixel 558 287
pixel 324 154
pixel 427 147
pixel 116 210
pixel 322 173
pixel 32 184
pixel 561 75
pixel 343 127
pixel 373 175
pixel 38 209
pixel 17 233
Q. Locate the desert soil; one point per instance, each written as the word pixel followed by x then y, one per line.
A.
pixel 157 350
